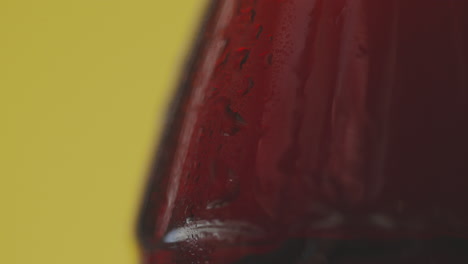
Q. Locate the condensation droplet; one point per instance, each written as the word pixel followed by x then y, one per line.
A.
pixel 270 59
pixel 244 58
pixel 235 122
pixel 253 14
pixel 217 204
pixel 259 32
pixel 189 220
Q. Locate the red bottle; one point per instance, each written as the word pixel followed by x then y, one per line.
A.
pixel 317 131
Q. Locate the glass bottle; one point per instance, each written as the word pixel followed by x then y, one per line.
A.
pixel 317 131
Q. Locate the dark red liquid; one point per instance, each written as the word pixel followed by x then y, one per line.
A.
pixel 318 131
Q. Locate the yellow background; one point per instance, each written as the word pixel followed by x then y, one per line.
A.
pixel 83 89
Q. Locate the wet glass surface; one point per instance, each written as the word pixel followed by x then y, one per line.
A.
pixel 313 131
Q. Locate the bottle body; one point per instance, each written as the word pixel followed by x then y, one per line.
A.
pixel 306 129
